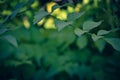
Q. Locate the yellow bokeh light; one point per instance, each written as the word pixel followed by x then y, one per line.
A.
pixel 41 22
pixel 62 15
pixel 49 6
pixel 85 1
pixel 56 12
pixel 50 24
pixel 70 9
pixel 26 23
pixel 77 7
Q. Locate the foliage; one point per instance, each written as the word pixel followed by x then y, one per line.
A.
pixel 85 45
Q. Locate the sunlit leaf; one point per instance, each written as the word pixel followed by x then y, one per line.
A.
pixel 40 15
pixel 95 37
pixel 11 40
pixel 102 32
pixel 73 16
pixel 89 25
pixel 115 42
pixel 79 32
pixel 61 24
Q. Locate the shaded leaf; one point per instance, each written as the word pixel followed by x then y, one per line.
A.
pixel 82 42
pixel 100 44
pixel 40 75
pixel 3 31
pixel 73 16
pixel 102 32
pixel 60 6
pixel 79 32
pixel 88 25
pixel 85 72
pixel 95 37
pixel 17 8
pixel 11 40
pixel 115 42
pixel 61 24
pixel 55 7
pixel 40 15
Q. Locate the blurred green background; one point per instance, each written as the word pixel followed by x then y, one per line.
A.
pixel 44 53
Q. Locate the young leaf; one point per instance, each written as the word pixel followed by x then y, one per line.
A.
pixel 115 42
pixel 40 15
pixel 89 25
pixel 61 24
pixel 79 32
pixel 102 32
pixel 11 40
pixel 74 16
pixel 95 37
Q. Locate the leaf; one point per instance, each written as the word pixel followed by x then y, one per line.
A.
pixel 55 7
pixel 73 16
pixel 79 32
pixel 61 24
pixel 95 37
pixel 17 8
pixel 100 44
pixel 115 42
pixel 11 40
pixel 82 42
pixel 3 31
pixel 71 1
pixel 102 32
pixel 60 6
pixel 40 15
pixel 85 72
pixel 89 25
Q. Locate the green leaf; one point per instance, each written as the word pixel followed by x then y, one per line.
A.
pixel 95 37
pixel 60 6
pixel 11 40
pixel 40 15
pixel 61 24
pixel 73 16
pixel 82 42
pixel 100 44
pixel 89 25
pixel 85 72
pixel 115 42
pixel 3 31
pixel 102 32
pixel 17 8
pixel 79 32
pixel 55 7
